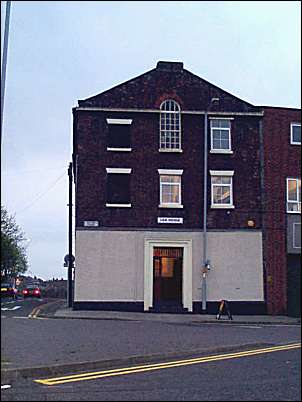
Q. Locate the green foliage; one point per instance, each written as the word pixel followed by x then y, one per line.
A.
pixel 13 253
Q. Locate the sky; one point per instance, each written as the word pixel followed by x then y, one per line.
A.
pixel 62 51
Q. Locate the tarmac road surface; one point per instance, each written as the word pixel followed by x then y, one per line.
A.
pixel 263 377
pixel 111 343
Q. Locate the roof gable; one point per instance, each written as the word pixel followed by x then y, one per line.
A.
pixel 167 80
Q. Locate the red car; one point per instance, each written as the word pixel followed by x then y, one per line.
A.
pixel 31 291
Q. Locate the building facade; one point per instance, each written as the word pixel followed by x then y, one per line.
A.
pixel 282 209
pixel 139 166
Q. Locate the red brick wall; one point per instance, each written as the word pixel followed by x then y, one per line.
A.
pixel 147 92
pixel 145 159
pixel 281 160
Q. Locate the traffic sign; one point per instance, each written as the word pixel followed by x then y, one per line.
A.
pixel 66 258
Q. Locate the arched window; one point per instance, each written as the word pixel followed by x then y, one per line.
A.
pixel 170 130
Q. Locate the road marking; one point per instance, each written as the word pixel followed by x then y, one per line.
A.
pixel 6 386
pixel 10 309
pixel 34 313
pixel 160 366
pixel 249 326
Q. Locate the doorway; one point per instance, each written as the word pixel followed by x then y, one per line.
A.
pixel 167 277
pixel 294 285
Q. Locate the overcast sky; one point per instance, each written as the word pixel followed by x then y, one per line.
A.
pixel 60 52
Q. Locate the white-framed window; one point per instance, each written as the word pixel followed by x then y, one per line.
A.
pixel 170 188
pixel 221 135
pixel 293 195
pixel 170 127
pixel 222 188
pixel 295 133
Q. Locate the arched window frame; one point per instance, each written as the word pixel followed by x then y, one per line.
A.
pixel 170 126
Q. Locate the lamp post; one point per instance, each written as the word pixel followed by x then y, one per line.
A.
pixel 206 262
pixel 4 60
pixel 70 256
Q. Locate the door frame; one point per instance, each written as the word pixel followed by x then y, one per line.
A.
pixel 150 244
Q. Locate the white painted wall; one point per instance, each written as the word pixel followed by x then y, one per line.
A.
pixel 237 267
pixel 110 265
pixel 106 266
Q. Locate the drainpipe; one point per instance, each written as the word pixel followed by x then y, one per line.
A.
pixel 206 262
pixel 205 204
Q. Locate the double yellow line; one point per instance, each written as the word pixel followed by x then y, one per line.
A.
pixel 161 366
pixel 34 313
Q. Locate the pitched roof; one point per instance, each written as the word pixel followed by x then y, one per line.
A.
pixel 167 80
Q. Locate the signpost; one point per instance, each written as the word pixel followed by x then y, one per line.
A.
pixel 224 305
pixel 66 260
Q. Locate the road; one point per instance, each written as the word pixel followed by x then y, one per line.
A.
pixel 19 308
pixel 265 376
pixel 275 376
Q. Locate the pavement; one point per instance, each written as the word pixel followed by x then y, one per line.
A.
pixel 59 310
pixel 64 312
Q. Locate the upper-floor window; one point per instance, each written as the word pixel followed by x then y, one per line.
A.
pixel 221 136
pixel 295 133
pixel 170 188
pixel 222 188
pixel 170 126
pixel 293 195
pixel 118 135
pixel 118 187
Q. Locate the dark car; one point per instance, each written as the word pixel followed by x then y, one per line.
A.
pixel 7 290
pixel 31 291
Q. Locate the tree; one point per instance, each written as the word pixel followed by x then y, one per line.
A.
pixel 13 253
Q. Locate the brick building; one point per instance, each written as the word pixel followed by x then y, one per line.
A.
pixel 138 159
pixel 282 209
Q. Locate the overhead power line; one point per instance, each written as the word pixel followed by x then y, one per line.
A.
pixel 16 172
pixel 42 194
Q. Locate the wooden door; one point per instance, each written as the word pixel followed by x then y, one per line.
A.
pixel 167 276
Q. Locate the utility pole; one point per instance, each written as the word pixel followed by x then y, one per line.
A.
pixel 4 60
pixel 70 259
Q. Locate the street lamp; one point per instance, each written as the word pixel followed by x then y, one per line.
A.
pixel 206 262
pixel 70 258
pixel 4 59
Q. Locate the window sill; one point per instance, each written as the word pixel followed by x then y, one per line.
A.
pixel 294 212
pixel 222 206
pixel 118 205
pixel 170 150
pixel 296 143
pixel 170 206
pixel 220 151
pixel 119 149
